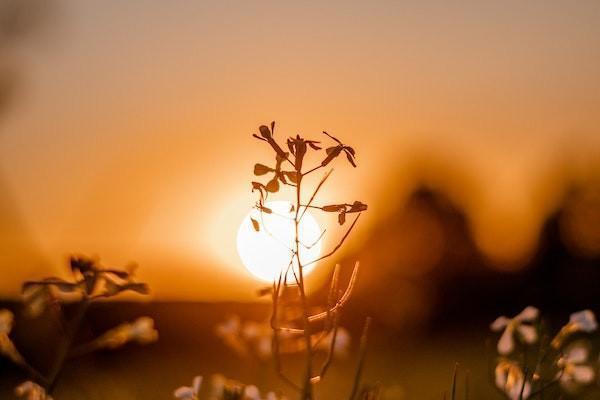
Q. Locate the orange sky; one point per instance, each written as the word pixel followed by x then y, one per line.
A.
pixel 130 137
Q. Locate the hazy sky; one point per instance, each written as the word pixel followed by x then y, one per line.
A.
pixel 130 135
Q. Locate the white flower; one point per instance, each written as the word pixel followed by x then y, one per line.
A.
pixel 7 347
pixel 575 370
pixel 511 380
pixel 141 331
pixel 31 391
pixel 189 392
pixel 521 324
pixel 6 321
pixel 581 321
pixel 251 392
pixel 584 321
pixel 223 388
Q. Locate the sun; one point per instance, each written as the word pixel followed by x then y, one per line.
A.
pixel 267 252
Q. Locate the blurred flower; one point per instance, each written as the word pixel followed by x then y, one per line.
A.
pixel 6 321
pixel 36 299
pixel 255 338
pixel 575 370
pixel 521 324
pixel 511 380
pixel 189 392
pixel 31 391
pixel 223 388
pixel 141 331
pixel 7 347
pixel 581 321
pixel 342 343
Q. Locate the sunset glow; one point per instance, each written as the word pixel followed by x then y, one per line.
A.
pixel 267 251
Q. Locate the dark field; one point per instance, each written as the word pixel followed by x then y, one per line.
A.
pixel 412 366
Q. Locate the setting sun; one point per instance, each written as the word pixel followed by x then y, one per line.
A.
pixel 267 251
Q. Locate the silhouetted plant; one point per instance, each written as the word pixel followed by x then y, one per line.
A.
pixel 530 365
pixel 90 282
pixel 289 170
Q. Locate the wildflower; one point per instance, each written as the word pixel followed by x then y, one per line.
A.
pixel 141 331
pixel 521 324
pixel 259 336
pixel 581 321
pixel 511 380
pixel 31 391
pixel 229 331
pixel 189 392
pixel 575 371
pixel 223 388
pixel 7 347
pixel 6 321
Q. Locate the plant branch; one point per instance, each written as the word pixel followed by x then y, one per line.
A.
pixel 336 248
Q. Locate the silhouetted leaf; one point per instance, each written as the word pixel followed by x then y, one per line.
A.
pixel 264 209
pixel 332 152
pixel 342 217
pixel 350 159
pixel 81 264
pixel 273 185
pixel 137 287
pixel 291 175
pixel 260 169
pixel 255 224
pixel 313 144
pixel 117 272
pixel 335 139
pixel 357 206
pixel 333 207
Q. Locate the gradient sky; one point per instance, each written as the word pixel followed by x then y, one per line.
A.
pixel 130 135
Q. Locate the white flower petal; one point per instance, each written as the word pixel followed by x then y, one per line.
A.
pixel 583 374
pixel 584 320
pixel 6 321
pixel 529 314
pixel 196 384
pixel 501 375
pixel 499 324
pixel 528 333
pixel 577 354
pixel 506 343
pixel 251 393
pixel 184 392
pixel 515 392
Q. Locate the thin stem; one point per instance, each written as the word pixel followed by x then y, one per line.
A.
pixel 312 170
pixel 34 373
pixel 337 246
pixel 312 197
pixel 361 359
pixel 307 393
pixel 66 345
